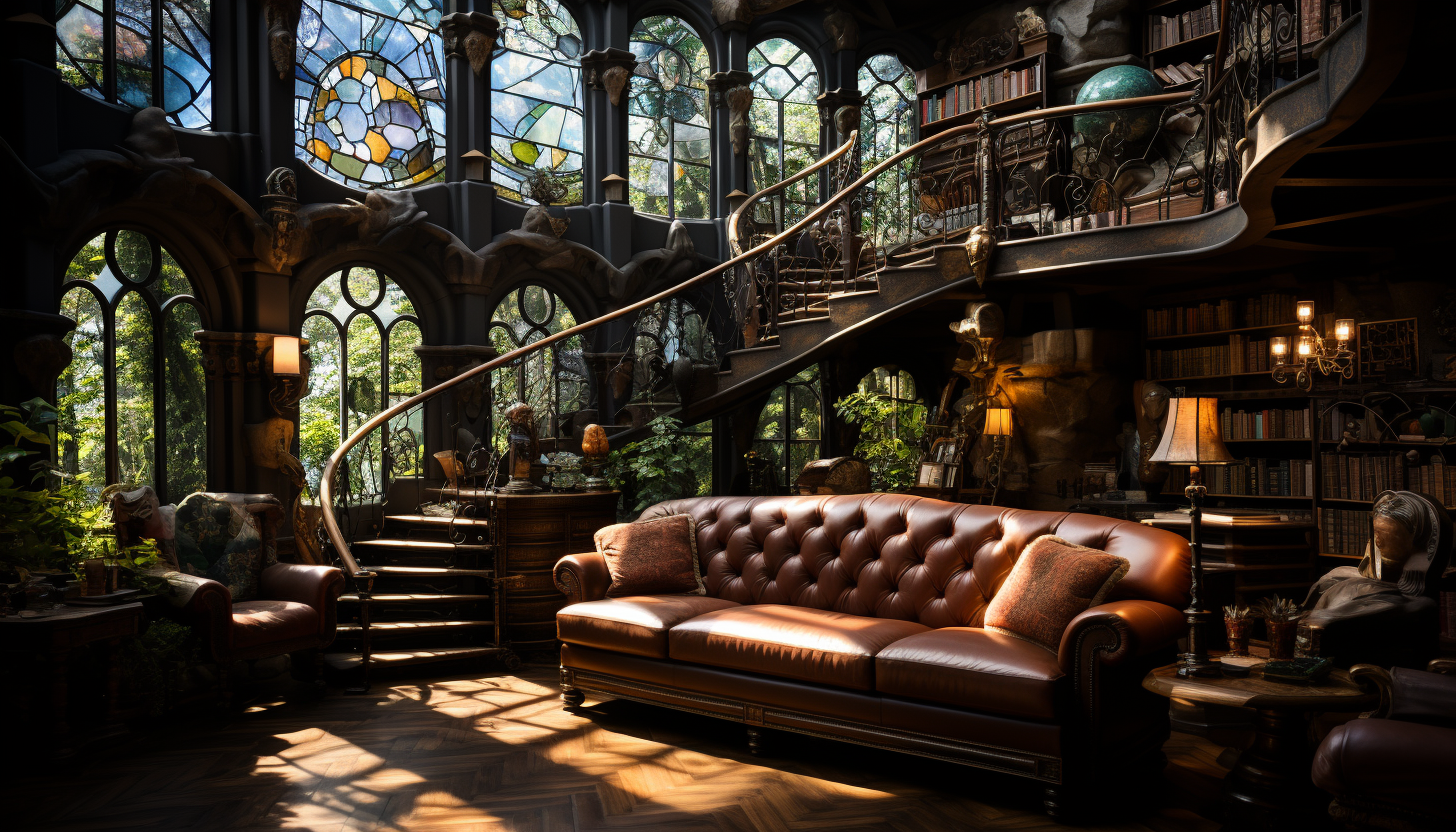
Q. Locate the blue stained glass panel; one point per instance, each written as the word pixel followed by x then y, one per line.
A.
pixel 536 111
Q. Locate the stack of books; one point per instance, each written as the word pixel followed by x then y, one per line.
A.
pixel 1266 424
pixel 1164 31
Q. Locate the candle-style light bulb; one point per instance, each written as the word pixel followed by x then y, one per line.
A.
pixel 1306 346
pixel 1344 328
pixel 1304 311
pixel 1279 348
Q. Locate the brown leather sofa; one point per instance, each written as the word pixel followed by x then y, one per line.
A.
pixel 857 617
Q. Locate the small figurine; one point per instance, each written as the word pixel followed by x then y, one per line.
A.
pixel 523 447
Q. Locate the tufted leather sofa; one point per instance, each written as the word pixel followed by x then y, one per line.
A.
pixel 859 617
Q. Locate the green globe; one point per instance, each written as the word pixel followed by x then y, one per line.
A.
pixel 1114 83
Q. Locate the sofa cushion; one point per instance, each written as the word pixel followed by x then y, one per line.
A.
pixel 1052 582
pixel 1394 763
pixel 263 622
pixel 651 557
pixel 636 625
pixel 972 668
pixel 828 648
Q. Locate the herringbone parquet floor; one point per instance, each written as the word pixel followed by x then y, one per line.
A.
pixel 498 754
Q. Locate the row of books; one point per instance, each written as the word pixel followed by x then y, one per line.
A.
pixel 1241 355
pixel 1270 423
pixel 1180 73
pixel 975 94
pixel 1360 423
pixel 1364 476
pixel 1252 477
pixel 1265 310
pixel 1165 31
pixel 1343 531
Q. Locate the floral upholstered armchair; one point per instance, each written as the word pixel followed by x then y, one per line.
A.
pixel 224 578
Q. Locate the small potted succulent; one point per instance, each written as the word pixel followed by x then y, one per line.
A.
pixel 1237 620
pixel 1281 619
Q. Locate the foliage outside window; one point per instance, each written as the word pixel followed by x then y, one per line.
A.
pixel 784 120
pixel 553 381
pixel 131 68
pixel 369 91
pixel 887 126
pixel 667 120
pixel 790 425
pixel 362 331
pixel 674 463
pixel 133 399
pixel 891 420
pixel 535 101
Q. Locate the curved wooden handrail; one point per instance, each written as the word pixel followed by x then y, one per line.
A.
pixel 326 484
pixel 782 184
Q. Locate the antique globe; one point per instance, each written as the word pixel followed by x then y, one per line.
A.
pixel 1135 127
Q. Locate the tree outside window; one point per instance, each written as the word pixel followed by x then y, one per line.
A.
pixel 790 427
pixel 784 120
pixel 667 120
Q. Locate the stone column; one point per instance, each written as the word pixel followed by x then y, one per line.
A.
pixel 469 38
pixel 607 77
pixel 465 407
pixel 729 97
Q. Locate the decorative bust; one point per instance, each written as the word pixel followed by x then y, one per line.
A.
pixel 522 444
pixel 1384 610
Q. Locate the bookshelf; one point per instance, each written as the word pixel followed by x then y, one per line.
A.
pixel 1175 31
pixel 948 99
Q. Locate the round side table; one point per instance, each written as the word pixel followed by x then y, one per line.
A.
pixel 1270 788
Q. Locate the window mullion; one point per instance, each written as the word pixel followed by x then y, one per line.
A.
pixel 108 51
pixel 158 56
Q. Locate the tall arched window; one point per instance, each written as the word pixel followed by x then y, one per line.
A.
pixel 362 334
pixel 906 420
pixel 176 75
pixel 133 400
pixel 535 100
pixel 887 126
pixel 784 120
pixel 369 91
pixel 790 425
pixel 667 120
pixel 552 380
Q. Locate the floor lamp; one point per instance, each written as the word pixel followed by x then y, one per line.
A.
pixel 1192 438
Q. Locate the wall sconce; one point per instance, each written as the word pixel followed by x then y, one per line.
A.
pixel 285 366
pixel 1312 351
pixel 998 427
pixel 614 187
pixel 286 355
pixel 475 165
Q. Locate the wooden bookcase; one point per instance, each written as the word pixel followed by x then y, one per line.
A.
pixel 963 105
pixel 1177 31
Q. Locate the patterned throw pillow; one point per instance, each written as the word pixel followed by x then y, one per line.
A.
pixel 1052 582
pixel 652 557
pixel 218 538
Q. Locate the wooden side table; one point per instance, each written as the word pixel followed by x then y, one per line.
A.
pixel 49 641
pixel 1270 787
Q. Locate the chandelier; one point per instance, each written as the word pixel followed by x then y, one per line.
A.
pixel 1312 353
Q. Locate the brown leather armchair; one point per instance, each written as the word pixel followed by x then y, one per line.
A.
pixel 214 540
pixel 1394 770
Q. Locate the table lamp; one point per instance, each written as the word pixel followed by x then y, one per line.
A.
pixel 1192 437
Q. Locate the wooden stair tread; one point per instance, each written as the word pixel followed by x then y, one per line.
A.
pixel 431 571
pixel 420 545
pixel 394 658
pixel 431 520
pixel 412 626
pixel 415 597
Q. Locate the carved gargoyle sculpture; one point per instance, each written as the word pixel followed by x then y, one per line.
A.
pixel 739 99
pixel 1029 24
pixel 470 35
pixel 281 18
pixel 982 330
pixel 842 29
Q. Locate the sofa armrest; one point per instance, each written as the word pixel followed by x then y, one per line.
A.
pixel 1116 633
pixel 317 586
pixel 203 604
pixel 582 577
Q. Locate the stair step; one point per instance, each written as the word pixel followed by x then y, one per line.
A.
pixel 468 493
pixel 410 598
pixel 430 520
pixel 397 658
pixel 431 546
pixel 430 572
pixel 399 627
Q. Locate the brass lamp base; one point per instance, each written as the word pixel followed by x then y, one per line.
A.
pixel 519 485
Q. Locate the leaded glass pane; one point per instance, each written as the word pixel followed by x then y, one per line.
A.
pixel 80 388
pixel 369 91
pixel 887 124
pixel 667 121
pixel 135 388
pixel 187 62
pixel 536 108
pixel 186 402
pixel 553 381
pixel 80 44
pixel 319 431
pixel 784 125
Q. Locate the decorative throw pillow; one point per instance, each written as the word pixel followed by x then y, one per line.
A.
pixel 652 557
pixel 1052 582
pixel 218 538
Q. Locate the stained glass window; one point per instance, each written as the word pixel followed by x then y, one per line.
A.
pixel 789 427
pixel 784 121
pixel 369 91
pixel 553 381
pixel 362 331
pixel 667 120
pixel 176 77
pixel 535 101
pixel 887 126
pixel 133 399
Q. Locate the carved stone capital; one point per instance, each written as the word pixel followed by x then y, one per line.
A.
pixel 609 70
pixel 731 89
pixel 470 35
pixel 281 19
pixel 233 356
pixel 832 101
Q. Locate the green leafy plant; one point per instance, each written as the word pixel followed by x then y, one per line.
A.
pixel 888 435
pixel 668 465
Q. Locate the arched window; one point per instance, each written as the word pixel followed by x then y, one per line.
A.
pixel 552 380
pixel 890 418
pixel 369 91
pixel 784 120
pixel 887 126
pixel 906 417
pixel 362 333
pixel 176 75
pixel 667 120
pixel 535 100
pixel 790 425
pixel 133 400
pixel 664 333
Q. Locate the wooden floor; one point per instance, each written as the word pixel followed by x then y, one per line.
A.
pixel 499 753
